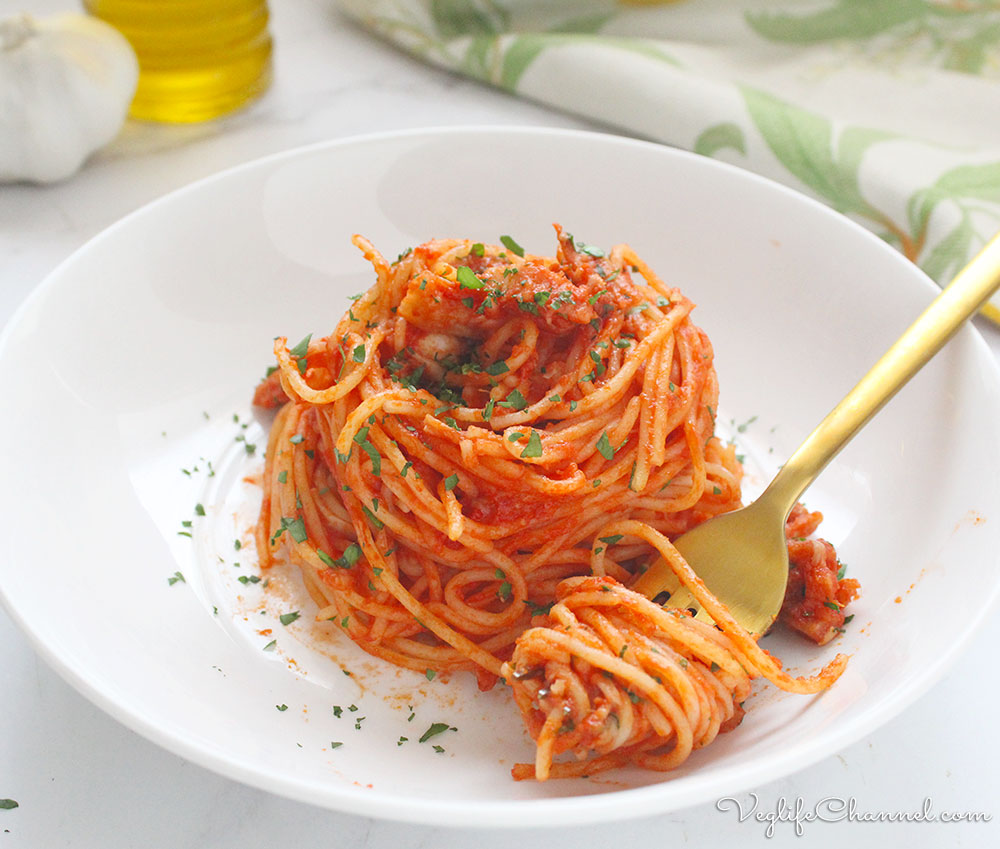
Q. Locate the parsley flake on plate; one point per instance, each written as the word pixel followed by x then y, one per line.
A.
pixel 435 729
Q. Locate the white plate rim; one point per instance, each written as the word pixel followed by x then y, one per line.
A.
pixel 611 806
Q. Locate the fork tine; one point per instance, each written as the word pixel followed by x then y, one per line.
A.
pixel 704 616
pixel 658 578
pixel 683 599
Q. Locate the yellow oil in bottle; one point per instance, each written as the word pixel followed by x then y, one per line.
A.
pixel 198 59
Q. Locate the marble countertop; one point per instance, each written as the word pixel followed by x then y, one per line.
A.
pixel 83 780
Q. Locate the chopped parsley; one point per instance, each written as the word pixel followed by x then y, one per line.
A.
pixel 302 348
pixel 604 447
pixel 512 246
pixel 375 520
pixel 539 609
pixel 296 527
pixel 467 278
pixel 514 401
pixel 534 446
pixel 370 450
pixel 299 352
pixel 435 729
pixel 288 618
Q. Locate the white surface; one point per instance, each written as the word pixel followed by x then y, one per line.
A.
pixel 83 780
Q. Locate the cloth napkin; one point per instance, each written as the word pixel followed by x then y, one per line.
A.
pixel 886 110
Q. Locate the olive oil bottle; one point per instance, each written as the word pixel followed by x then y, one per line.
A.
pixel 198 59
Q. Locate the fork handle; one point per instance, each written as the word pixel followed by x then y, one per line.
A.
pixel 969 291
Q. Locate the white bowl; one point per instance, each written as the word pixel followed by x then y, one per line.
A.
pixel 124 370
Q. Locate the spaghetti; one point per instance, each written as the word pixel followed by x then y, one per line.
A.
pixel 452 453
pixel 617 679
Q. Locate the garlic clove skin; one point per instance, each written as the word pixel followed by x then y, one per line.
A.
pixel 66 82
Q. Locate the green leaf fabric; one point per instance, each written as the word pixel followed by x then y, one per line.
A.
pixel 887 110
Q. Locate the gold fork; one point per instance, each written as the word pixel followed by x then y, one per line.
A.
pixel 742 556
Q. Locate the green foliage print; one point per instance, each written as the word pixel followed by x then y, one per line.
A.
pixel 804 143
pixel 960 35
pixel 518 52
pixel 974 190
pixel 851 19
pixel 480 38
pixel 828 163
pixel 721 137
pixel 455 18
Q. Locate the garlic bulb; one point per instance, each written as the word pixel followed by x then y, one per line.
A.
pixel 66 82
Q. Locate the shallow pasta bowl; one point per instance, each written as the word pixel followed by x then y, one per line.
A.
pixel 131 451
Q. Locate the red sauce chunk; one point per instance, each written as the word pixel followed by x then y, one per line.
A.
pixel 817 594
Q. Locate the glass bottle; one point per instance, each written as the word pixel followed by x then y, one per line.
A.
pixel 198 59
